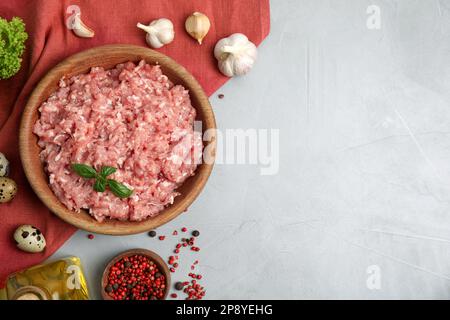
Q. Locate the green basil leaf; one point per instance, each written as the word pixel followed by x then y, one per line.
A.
pixel 84 170
pixel 106 171
pixel 119 189
pixel 100 185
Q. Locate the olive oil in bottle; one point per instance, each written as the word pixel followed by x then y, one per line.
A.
pixel 60 280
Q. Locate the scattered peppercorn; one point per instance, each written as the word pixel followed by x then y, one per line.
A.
pixel 173 295
pixel 221 96
pixel 194 291
pixel 161 238
pixel 152 233
pixel 90 236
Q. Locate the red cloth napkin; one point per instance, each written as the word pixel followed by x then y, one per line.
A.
pixel 113 22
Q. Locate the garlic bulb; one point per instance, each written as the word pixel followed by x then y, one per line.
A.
pixel 80 29
pixel 159 32
pixel 197 25
pixel 235 54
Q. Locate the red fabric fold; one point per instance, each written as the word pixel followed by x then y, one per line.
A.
pixel 115 21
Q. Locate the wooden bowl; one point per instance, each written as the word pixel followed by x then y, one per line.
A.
pixel 108 57
pixel 162 266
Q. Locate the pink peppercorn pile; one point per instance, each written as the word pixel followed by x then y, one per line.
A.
pixel 135 278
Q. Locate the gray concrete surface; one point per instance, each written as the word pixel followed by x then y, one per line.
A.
pixel 360 205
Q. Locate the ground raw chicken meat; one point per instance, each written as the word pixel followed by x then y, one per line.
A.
pixel 131 118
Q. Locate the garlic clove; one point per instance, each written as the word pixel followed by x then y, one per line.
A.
pixel 80 29
pixel 159 32
pixel 235 55
pixel 197 25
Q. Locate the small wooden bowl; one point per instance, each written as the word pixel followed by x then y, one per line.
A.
pixel 108 57
pixel 162 266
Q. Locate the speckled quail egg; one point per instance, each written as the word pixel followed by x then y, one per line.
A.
pixel 29 239
pixel 4 166
pixel 8 189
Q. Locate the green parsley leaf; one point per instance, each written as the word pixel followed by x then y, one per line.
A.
pixel 12 46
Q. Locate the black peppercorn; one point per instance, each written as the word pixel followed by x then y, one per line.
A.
pixel 179 285
pixel 195 233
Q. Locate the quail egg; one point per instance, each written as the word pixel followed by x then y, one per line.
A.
pixel 4 166
pixel 29 239
pixel 8 189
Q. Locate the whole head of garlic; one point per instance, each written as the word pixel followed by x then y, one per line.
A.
pixel 159 32
pixel 235 55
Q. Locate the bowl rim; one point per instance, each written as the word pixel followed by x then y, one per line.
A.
pixel 111 226
pixel 138 251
